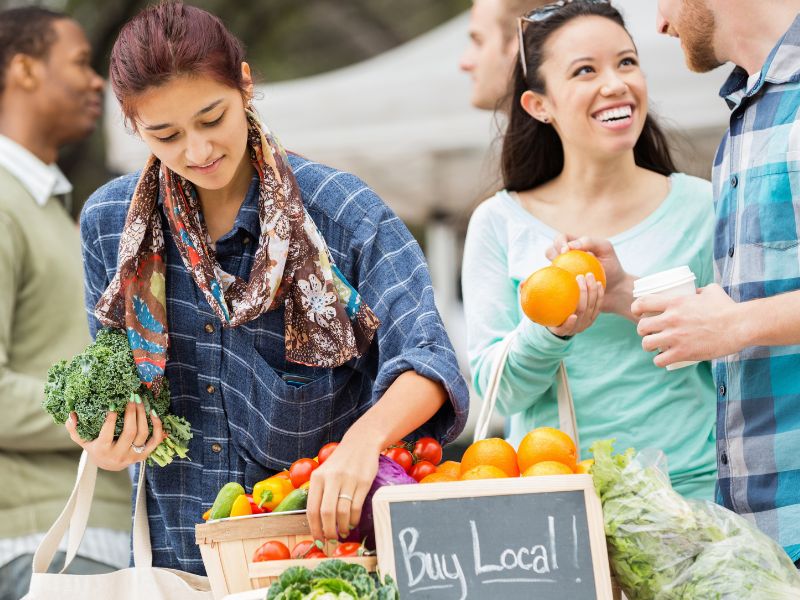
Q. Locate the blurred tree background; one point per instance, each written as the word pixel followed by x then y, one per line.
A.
pixel 285 39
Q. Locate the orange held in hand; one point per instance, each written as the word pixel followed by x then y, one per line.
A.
pixel 549 296
pixel 546 444
pixel 494 452
pixel 579 262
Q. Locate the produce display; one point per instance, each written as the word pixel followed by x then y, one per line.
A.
pixel 103 378
pixel 332 580
pixel 664 547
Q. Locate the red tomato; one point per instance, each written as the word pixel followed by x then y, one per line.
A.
pixel 422 469
pixel 301 470
pixel 402 457
pixel 349 549
pixel 272 550
pixel 326 451
pixel 308 549
pixel 428 449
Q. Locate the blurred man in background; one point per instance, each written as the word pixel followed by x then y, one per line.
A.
pixel 749 321
pixel 493 49
pixel 49 97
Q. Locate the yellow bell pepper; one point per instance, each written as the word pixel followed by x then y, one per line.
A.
pixel 305 486
pixel 268 493
pixel 241 507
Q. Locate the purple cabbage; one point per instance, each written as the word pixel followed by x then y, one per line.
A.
pixel 389 473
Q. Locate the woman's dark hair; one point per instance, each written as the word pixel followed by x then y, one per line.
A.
pixel 169 40
pixel 532 151
pixel 27 30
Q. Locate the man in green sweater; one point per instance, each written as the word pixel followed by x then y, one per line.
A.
pixel 49 96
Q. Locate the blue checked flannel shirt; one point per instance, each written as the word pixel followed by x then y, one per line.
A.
pixel 757 254
pixel 246 420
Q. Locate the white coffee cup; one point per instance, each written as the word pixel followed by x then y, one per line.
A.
pixel 668 284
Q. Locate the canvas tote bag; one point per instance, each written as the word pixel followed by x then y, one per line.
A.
pixel 142 582
pixel 566 406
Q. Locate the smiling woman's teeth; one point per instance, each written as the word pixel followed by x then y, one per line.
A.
pixel 614 114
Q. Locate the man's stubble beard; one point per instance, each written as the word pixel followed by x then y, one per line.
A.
pixel 697 26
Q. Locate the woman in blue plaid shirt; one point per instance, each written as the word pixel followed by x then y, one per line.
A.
pixel 283 302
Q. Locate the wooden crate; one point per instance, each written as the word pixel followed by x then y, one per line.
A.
pixel 227 548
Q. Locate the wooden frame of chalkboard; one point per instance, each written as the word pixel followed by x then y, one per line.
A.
pixel 527 537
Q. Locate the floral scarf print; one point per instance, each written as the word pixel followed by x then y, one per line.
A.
pixel 327 323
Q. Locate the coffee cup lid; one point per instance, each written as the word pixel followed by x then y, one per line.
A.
pixel 658 282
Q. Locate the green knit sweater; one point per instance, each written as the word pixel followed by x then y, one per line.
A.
pixel 42 320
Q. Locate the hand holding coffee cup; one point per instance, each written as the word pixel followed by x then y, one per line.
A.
pixel 667 284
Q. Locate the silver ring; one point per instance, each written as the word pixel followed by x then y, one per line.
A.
pixel 137 449
pixel 345 497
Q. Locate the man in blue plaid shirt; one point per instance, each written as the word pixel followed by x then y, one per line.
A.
pixel 750 322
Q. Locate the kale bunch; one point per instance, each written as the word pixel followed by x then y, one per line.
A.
pixel 104 378
pixel 332 580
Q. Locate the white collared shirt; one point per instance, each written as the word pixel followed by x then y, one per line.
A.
pixel 41 180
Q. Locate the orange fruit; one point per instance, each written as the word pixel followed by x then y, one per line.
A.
pixel 450 467
pixel 492 451
pixel 544 444
pixel 484 472
pixel 584 467
pixel 547 467
pixel 549 296
pixel 438 478
pixel 579 262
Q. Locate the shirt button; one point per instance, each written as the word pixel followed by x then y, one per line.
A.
pixel 210 389
pixel 722 390
pixel 723 458
pixel 734 181
pixel 216 448
pixel 730 251
pixel 209 328
pixel 246 240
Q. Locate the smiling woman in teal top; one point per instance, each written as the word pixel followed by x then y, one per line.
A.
pixel 585 166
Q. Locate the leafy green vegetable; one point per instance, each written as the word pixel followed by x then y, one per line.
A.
pixel 332 580
pixel 663 547
pixel 104 378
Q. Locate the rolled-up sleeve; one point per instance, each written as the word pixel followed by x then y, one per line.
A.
pixel 393 279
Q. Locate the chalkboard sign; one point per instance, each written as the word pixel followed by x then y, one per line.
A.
pixel 522 538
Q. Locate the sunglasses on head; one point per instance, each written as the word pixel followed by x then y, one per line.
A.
pixel 537 15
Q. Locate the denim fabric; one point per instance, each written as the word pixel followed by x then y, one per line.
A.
pixel 756 255
pixel 246 420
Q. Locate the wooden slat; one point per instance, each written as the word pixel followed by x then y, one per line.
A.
pixel 273 568
pixel 255 526
pixel 234 564
pixel 216 576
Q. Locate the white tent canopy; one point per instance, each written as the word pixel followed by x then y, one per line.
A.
pixel 402 120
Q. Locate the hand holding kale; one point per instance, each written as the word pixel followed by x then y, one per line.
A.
pixel 103 378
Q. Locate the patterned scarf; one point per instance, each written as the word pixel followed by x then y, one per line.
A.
pixel 326 321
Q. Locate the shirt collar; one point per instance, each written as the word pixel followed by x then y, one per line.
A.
pixel 782 66
pixel 41 180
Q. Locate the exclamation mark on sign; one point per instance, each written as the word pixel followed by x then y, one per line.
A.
pixel 575 542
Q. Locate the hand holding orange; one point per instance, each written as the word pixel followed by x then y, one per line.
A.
pixel 551 294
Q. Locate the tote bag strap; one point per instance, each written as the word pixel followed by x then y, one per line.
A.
pixel 566 406
pixel 75 516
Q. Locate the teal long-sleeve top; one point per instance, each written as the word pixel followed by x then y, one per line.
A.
pixel 618 391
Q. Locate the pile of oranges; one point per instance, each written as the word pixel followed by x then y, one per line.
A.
pixel 551 294
pixel 543 451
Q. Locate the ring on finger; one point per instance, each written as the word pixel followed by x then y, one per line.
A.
pixel 345 497
pixel 138 449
